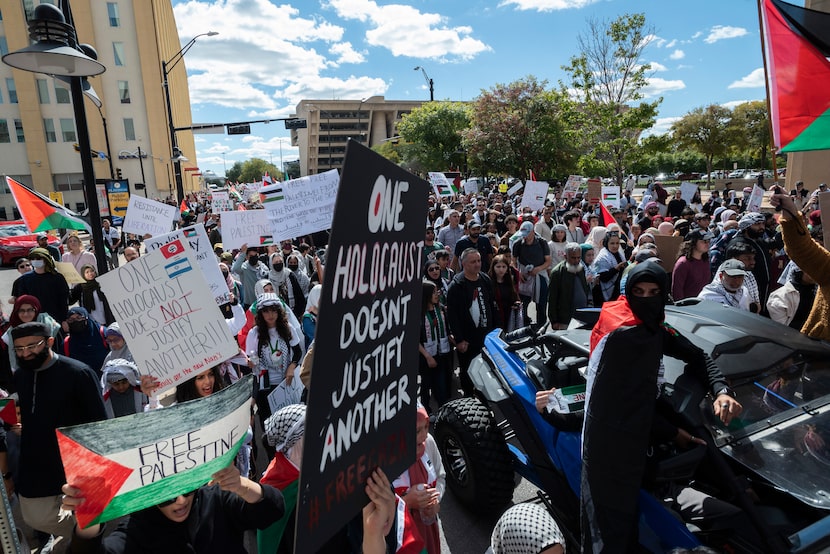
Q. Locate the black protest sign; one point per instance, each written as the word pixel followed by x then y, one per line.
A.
pixel 363 390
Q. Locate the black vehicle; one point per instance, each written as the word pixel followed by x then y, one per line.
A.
pixel 773 462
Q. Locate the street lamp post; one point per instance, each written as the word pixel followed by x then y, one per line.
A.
pixel 56 52
pixel 166 68
pixel 429 82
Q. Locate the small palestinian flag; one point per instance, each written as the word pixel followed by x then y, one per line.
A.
pixel 129 463
pixel 266 240
pixel 272 194
pixel 8 411
pixel 797 44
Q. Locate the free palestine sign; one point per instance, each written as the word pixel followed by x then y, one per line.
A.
pixel 129 463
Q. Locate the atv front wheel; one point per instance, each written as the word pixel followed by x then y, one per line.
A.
pixel 475 456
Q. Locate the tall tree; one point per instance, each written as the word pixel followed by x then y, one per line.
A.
pixel 751 125
pixel 519 127
pixel 434 132
pixel 252 170
pixel 609 76
pixel 706 130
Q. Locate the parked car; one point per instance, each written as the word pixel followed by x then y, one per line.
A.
pixel 16 241
pixel 736 174
pixel 771 462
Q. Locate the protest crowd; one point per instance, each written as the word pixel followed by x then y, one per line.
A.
pixel 491 260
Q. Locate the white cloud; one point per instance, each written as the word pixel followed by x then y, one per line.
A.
pixel 677 55
pixel 657 66
pixel 346 53
pixel 657 87
pixel 547 5
pixel 753 80
pixel 405 31
pixel 671 43
pixel 661 126
pixel 731 105
pixel 721 32
pixel 697 35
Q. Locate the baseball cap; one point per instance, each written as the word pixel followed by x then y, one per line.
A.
pixel 473 223
pixel 733 268
pixel 42 235
pixel 526 228
pixel 697 234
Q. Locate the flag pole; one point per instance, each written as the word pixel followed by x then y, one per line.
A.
pixel 766 88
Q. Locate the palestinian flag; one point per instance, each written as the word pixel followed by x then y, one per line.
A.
pixel 41 213
pixel 442 186
pixel 129 463
pixel 8 411
pixel 797 44
pixel 607 218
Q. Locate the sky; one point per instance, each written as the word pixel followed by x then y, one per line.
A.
pixel 270 55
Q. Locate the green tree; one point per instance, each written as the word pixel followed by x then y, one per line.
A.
pixel 434 132
pixel 252 170
pixel 519 127
pixel 609 76
pixel 751 129
pixel 708 131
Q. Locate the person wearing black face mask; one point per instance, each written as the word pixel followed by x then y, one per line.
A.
pixel 625 367
pixel 250 269
pixel 86 341
pixel 751 228
pixel 54 391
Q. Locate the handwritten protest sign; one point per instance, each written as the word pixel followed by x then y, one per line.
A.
pixel 129 463
pixel 611 196
pixel 168 315
pixel 756 198
pixel 145 216
pixel 535 194
pixel 249 227
pixel 361 409
pixel 196 237
pixel 300 206
pixel 572 186
pixel 69 273
pixel 221 201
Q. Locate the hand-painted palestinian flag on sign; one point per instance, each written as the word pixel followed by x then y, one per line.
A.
pixel 797 45
pixel 129 463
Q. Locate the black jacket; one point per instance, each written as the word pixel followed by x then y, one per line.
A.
pixel 459 298
pixel 216 523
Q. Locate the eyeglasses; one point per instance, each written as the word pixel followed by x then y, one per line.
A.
pixel 26 310
pixel 172 500
pixel 24 349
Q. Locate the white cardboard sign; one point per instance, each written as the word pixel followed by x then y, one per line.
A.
pixel 299 206
pixel 249 227
pixel 167 315
pixel 148 217
pixel 221 201
pixel 535 194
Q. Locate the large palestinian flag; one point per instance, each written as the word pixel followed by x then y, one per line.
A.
pixel 41 213
pixel 797 44
pixel 129 463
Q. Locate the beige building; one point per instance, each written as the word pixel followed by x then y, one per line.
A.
pixel 331 123
pixel 37 125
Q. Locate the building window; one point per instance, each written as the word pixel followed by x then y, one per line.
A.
pixel 4 131
pixel 118 52
pixel 42 91
pixel 49 129
pixel 18 129
pixel 112 11
pixel 61 94
pixel 124 91
pixel 4 46
pixel 12 90
pixel 129 128
pixel 68 130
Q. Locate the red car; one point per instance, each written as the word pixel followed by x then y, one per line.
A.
pixel 16 241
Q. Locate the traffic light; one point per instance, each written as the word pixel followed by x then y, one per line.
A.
pixel 118 173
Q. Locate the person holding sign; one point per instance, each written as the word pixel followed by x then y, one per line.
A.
pixel 213 518
pixel 274 349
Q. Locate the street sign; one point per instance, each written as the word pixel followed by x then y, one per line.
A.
pixel 296 124
pixel 239 129
pixel 56 197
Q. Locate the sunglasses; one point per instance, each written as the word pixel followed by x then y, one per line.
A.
pixel 172 500
pixel 433 268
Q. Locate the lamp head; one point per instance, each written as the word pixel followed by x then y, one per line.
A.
pixel 55 49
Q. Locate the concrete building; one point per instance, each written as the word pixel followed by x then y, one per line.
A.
pixel 331 123
pixel 37 125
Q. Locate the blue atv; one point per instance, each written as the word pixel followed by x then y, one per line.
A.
pixel 773 462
